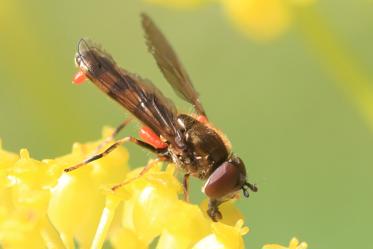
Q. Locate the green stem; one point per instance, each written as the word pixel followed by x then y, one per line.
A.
pixel 336 58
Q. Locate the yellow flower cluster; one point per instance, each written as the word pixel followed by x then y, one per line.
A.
pixel 263 19
pixel 259 19
pixel 180 3
pixel 294 244
pixel 43 207
pixel 40 204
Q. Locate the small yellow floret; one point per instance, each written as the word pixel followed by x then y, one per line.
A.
pixel 293 244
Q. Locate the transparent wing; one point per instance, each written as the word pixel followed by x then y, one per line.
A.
pixel 169 64
pixel 139 96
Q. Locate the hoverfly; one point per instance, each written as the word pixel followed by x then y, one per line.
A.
pixel 190 141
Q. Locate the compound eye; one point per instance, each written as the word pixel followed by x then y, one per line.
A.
pixel 226 179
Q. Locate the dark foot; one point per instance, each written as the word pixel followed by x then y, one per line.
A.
pixel 213 210
pixel 214 214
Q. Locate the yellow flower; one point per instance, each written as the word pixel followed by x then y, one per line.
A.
pixel 224 236
pixel 43 207
pixel 78 195
pixel 294 244
pixel 23 200
pixel 37 197
pixel 180 3
pixel 7 159
pixel 154 204
pixel 152 198
pixel 260 20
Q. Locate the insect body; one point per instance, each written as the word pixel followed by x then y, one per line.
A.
pixel 189 141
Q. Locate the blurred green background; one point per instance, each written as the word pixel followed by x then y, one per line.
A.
pixel 304 141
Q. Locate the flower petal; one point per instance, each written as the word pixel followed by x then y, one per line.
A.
pixel 259 19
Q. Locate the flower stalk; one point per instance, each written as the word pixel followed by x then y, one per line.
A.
pixel 338 61
pixel 111 205
pixel 50 235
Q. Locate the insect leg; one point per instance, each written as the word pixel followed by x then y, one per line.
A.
pixel 213 210
pixel 100 155
pixel 186 187
pixel 112 147
pixel 143 171
pixel 112 136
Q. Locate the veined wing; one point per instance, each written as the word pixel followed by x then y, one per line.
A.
pixel 139 96
pixel 169 64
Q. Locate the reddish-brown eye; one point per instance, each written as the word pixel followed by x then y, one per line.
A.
pixel 226 179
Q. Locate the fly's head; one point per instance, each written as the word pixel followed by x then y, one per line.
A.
pixel 224 183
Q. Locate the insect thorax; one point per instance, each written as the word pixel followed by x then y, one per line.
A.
pixel 205 151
